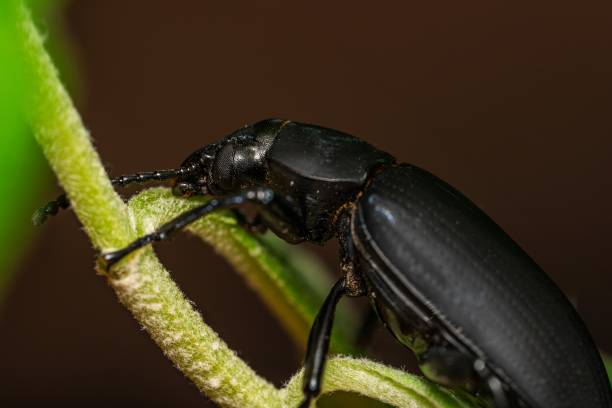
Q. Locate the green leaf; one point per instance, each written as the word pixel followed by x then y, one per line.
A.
pixel 21 163
pixel 608 364
pixel 20 160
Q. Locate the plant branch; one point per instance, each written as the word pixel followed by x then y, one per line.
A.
pixel 383 383
pixel 160 307
pixel 141 283
pixel 59 130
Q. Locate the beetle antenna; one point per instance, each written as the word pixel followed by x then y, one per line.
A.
pixel 49 209
pixel 62 202
pixel 145 176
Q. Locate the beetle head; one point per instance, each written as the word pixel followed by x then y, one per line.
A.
pixel 234 163
pixel 194 172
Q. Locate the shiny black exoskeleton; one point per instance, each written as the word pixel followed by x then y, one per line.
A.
pixel 442 276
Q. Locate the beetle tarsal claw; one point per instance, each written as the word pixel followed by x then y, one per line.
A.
pixel 104 262
pixel 39 217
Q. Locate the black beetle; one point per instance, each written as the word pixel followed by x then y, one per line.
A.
pixel 442 276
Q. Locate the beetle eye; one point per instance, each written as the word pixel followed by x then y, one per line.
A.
pixel 182 190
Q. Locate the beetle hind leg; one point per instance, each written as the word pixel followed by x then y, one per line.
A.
pixel 494 386
pixel 318 344
pixel 448 366
pixel 498 393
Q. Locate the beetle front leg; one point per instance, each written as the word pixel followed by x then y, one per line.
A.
pixel 318 344
pixel 255 225
pixel 268 204
pixel 279 215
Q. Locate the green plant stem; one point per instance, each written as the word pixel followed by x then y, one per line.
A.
pixel 161 308
pixel 141 283
pixel 380 382
pixel 59 130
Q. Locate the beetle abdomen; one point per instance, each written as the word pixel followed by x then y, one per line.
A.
pixel 436 247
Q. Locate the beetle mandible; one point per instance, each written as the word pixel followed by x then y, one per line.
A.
pixel 447 282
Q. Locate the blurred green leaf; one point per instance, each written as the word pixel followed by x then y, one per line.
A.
pixel 20 160
pixel 22 168
pixel 608 363
pixel 48 15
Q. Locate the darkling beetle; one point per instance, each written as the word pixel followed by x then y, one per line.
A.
pixel 447 281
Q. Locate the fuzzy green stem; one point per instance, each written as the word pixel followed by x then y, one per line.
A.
pixel 383 383
pixel 141 283
pixel 59 130
pixel 160 307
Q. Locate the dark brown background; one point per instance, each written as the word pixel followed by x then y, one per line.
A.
pixel 509 102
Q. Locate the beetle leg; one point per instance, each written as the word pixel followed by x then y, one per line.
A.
pixel 499 395
pixel 448 366
pixel 255 225
pixel 262 197
pixel 281 217
pixel 353 281
pixel 493 383
pixel 318 344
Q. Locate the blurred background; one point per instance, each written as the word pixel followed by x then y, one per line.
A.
pixel 510 102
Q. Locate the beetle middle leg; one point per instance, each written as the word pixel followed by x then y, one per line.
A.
pixel 449 366
pixel 494 385
pixel 255 225
pixel 318 344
